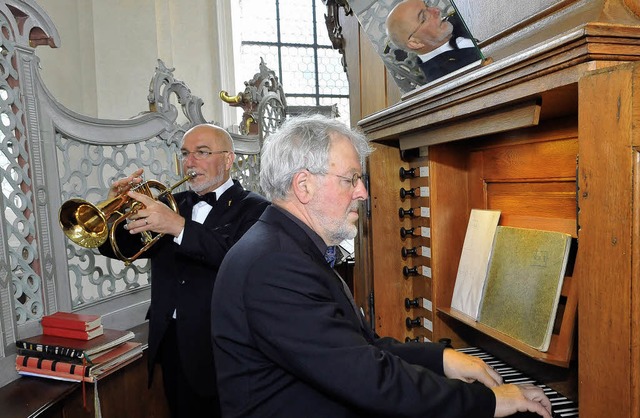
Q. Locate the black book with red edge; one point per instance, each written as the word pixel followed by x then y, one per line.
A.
pixel 103 364
pixel 61 347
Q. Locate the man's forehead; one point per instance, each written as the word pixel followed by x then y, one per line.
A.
pixel 413 7
pixel 200 141
pixel 204 138
pixel 342 150
pixel 338 138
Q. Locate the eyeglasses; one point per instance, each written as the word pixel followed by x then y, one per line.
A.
pixel 353 179
pixel 198 154
pixel 422 16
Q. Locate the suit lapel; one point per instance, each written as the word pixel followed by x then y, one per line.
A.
pixel 184 206
pixel 224 203
pixel 306 244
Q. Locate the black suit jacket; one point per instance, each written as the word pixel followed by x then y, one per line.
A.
pixel 452 60
pixel 448 62
pixel 288 342
pixel 183 276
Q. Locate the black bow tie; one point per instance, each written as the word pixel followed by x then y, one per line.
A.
pixel 193 198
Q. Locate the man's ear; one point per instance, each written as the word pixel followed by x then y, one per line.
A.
pixel 414 44
pixel 229 158
pixel 303 186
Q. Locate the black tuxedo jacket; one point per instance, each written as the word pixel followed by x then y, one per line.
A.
pixel 288 342
pixel 448 62
pixel 452 60
pixel 183 276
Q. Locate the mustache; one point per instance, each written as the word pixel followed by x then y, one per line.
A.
pixel 355 206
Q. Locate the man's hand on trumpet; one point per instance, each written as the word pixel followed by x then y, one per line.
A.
pixel 155 217
pixel 123 185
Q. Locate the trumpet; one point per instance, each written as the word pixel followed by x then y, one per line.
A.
pixel 89 225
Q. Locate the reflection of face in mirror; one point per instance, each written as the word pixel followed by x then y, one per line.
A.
pixel 414 26
pixel 436 35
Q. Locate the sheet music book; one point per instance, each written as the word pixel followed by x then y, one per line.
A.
pixel 525 278
pixel 474 261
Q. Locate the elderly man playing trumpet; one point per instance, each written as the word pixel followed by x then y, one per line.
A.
pixel 211 217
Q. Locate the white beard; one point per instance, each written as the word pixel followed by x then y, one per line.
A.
pixel 337 230
pixel 202 186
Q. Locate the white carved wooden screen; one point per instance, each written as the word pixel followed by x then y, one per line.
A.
pixel 49 154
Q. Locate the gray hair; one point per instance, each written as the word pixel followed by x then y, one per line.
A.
pixel 302 143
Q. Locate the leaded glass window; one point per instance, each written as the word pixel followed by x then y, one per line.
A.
pixel 291 37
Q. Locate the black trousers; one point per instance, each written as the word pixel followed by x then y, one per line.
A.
pixel 184 401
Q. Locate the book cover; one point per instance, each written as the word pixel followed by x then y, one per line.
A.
pixel 69 347
pixel 524 282
pixel 73 333
pixel 474 261
pixel 28 371
pixel 49 356
pixel 82 322
pixel 102 365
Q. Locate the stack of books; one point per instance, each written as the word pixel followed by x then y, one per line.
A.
pixel 71 325
pixel 82 359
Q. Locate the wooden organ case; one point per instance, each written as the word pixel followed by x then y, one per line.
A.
pixel 551 137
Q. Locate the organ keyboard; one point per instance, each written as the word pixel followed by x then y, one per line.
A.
pixel 561 406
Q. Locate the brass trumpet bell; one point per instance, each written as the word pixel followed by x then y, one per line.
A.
pixel 90 225
pixel 86 224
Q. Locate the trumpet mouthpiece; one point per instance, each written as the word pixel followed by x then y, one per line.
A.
pixel 192 174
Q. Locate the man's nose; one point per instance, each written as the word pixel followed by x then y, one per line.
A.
pixel 361 192
pixel 188 159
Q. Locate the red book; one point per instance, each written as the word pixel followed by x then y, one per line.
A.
pixel 82 322
pixel 102 365
pixel 73 333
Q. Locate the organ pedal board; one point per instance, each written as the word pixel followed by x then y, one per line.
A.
pixel 561 406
